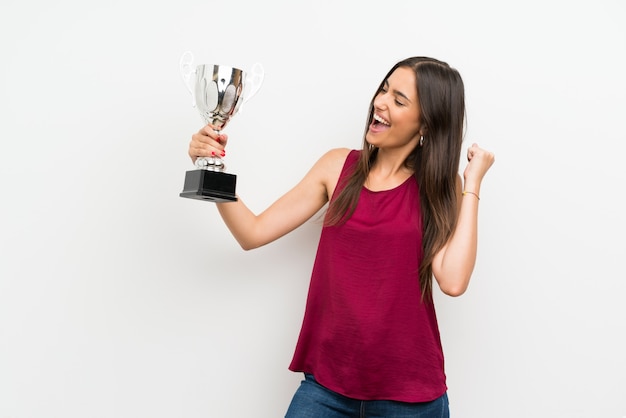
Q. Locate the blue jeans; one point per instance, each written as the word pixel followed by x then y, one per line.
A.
pixel 312 400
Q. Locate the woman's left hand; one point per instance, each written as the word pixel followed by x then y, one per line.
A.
pixel 479 162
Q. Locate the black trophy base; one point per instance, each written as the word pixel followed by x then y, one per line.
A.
pixel 214 186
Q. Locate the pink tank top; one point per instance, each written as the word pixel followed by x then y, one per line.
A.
pixel 365 333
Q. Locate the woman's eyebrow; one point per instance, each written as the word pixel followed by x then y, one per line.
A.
pixel 399 93
pixel 396 92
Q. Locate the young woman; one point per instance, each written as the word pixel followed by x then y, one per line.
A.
pixel 398 215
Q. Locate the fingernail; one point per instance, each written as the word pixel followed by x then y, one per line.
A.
pixel 223 153
pixel 213 153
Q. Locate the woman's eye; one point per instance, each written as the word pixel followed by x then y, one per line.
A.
pixel 399 103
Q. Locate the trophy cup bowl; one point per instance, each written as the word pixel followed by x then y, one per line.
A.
pixel 218 93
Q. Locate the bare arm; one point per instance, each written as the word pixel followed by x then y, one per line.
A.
pixel 454 263
pixel 286 214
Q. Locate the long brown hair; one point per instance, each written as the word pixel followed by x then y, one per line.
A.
pixel 441 97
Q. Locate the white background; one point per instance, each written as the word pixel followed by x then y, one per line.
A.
pixel 120 299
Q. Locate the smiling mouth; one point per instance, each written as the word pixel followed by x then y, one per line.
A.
pixel 379 120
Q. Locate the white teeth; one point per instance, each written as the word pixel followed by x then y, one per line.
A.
pixel 381 120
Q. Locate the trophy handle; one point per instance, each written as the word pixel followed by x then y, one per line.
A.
pixel 186 71
pixel 255 79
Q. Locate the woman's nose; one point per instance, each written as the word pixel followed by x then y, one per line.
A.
pixel 379 101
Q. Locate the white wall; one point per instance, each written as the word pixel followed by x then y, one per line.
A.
pixel 120 299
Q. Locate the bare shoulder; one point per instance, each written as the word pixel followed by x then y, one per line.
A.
pixel 330 164
pixel 335 156
pixel 328 169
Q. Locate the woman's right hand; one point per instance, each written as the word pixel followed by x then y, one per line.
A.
pixel 207 143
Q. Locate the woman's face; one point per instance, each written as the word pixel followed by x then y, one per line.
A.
pixel 396 119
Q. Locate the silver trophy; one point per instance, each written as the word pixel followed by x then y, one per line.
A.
pixel 218 93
